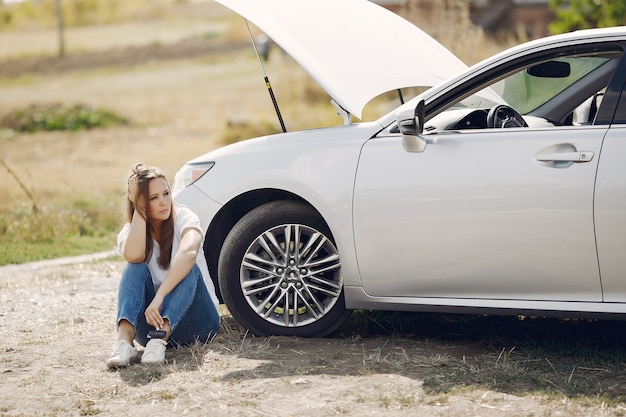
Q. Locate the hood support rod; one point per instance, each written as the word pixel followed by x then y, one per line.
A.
pixel 267 80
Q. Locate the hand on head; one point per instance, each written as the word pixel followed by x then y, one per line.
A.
pixel 138 188
pixel 133 185
pixel 135 196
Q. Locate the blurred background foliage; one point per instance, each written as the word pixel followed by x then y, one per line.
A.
pixel 42 14
pixel 586 14
pixel 58 116
pixel 571 14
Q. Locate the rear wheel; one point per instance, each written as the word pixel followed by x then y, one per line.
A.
pixel 280 274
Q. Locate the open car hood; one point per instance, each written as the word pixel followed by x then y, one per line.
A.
pixel 355 49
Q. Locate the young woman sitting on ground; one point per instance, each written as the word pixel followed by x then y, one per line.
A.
pixel 166 296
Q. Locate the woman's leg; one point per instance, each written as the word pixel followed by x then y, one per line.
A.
pixel 135 290
pixel 190 311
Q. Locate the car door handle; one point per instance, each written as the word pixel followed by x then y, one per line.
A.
pixel 565 157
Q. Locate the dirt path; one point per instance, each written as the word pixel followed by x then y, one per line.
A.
pixel 56 322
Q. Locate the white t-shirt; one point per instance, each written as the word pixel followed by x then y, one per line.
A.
pixel 184 218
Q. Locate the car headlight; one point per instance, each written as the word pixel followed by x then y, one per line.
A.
pixel 190 173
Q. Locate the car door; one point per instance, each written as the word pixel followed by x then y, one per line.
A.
pixel 610 209
pixel 482 214
pixel 478 216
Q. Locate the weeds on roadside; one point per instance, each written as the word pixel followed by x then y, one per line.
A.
pixel 58 116
pixel 42 13
pixel 54 230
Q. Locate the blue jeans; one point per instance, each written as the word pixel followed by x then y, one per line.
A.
pixel 188 307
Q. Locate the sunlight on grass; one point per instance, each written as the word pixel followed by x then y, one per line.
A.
pixel 57 116
pixel 30 233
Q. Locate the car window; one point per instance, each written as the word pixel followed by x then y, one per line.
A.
pixel 549 90
pixel 526 92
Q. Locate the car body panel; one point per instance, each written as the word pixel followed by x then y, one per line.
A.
pixel 358 299
pixel 474 215
pixel 337 42
pixel 316 165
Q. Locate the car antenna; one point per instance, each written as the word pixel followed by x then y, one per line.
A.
pixel 267 80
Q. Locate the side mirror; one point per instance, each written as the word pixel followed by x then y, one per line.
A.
pixel 411 124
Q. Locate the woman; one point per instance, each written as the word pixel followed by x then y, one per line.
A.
pixel 165 295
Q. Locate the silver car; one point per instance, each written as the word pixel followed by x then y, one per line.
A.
pixel 499 190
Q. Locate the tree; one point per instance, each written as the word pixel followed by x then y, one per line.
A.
pixel 585 14
pixel 60 28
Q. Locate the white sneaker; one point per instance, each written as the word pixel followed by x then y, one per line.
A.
pixel 154 353
pixel 123 354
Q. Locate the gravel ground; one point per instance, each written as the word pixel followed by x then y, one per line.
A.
pixel 57 326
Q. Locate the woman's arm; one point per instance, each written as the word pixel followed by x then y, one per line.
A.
pixel 182 262
pixel 135 244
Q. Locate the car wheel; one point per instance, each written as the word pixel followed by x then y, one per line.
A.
pixel 280 274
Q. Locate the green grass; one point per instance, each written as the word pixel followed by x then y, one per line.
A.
pixel 86 224
pixel 72 246
pixel 59 116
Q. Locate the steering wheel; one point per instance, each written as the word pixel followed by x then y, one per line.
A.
pixel 502 116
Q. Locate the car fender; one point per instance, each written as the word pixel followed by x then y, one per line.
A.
pixel 318 166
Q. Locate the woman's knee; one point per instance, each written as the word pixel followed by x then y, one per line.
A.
pixel 135 271
pixel 195 273
pixel 138 267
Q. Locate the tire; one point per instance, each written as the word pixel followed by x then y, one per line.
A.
pixel 271 291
